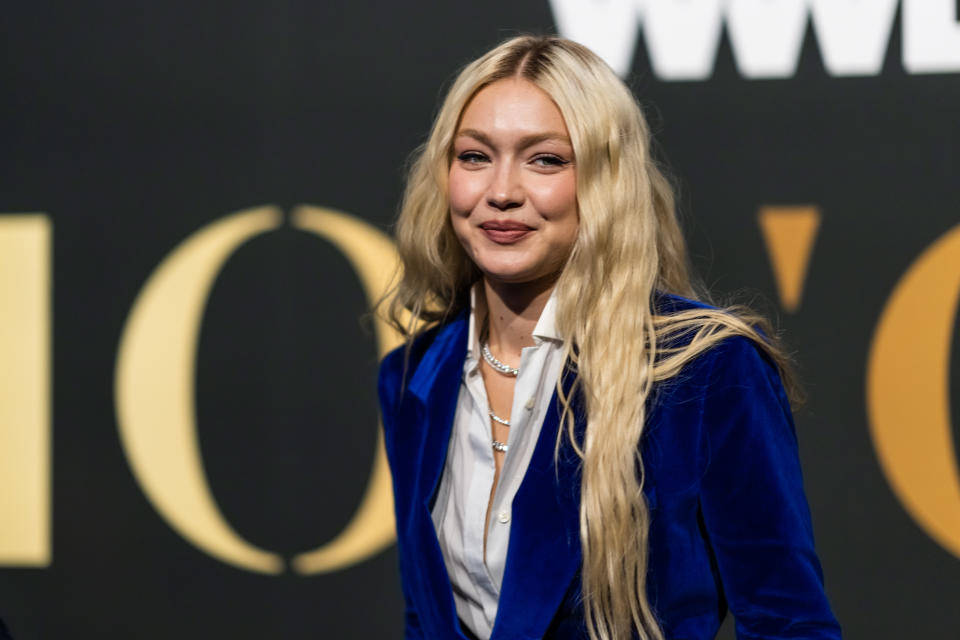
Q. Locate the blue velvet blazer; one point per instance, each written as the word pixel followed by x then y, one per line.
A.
pixel 730 525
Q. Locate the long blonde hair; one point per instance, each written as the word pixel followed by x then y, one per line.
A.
pixel 628 246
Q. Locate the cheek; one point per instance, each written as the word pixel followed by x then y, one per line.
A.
pixel 464 191
pixel 558 203
pixel 556 198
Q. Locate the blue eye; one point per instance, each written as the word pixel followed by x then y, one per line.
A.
pixel 550 161
pixel 471 157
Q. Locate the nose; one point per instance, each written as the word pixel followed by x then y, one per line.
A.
pixel 505 191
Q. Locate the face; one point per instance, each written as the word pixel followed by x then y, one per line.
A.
pixel 513 196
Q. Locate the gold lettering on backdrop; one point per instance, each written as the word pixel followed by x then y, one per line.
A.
pixel 789 234
pixel 908 391
pixel 155 388
pixel 25 448
pixel 374 258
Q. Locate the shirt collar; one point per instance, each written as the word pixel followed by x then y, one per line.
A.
pixel 546 328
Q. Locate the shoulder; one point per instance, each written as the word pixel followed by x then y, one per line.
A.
pixel 737 347
pixel 409 354
pixel 726 402
pixel 670 303
pixel 738 361
pixel 735 366
pixel 399 365
pixel 740 393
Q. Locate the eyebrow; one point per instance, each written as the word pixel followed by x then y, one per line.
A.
pixel 526 141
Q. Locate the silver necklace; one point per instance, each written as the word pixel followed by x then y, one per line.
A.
pixel 496 364
pixel 508 371
pixel 497 418
pixel 497 445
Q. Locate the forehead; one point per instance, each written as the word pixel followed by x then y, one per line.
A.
pixel 512 106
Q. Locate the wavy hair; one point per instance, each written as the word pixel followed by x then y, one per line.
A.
pixel 628 246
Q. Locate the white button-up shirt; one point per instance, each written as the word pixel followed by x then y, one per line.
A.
pixel 461 505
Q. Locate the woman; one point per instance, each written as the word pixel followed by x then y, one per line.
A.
pixel 577 450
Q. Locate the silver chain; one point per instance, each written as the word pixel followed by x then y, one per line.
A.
pixel 496 364
pixel 497 418
pixel 506 370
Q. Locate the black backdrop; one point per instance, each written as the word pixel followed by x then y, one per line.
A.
pixel 133 125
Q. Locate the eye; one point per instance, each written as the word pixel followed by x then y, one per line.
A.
pixel 472 157
pixel 549 160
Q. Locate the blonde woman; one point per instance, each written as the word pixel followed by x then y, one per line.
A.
pixel 578 448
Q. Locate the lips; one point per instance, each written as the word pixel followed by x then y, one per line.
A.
pixel 505 231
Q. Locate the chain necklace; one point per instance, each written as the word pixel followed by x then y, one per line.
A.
pixel 505 369
pixel 497 418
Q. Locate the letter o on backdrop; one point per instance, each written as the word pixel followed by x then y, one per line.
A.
pixel 908 391
pixel 155 389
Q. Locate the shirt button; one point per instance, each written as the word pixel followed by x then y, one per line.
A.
pixel 503 517
pixel 529 404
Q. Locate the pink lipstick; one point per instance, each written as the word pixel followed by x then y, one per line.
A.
pixel 505 231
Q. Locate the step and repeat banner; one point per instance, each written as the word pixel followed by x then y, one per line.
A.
pixel 196 202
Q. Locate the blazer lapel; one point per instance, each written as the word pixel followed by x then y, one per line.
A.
pixel 544 554
pixel 435 386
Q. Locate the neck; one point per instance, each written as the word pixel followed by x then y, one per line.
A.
pixel 512 313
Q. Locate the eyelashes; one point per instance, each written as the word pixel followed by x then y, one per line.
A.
pixel 545 160
pixel 471 157
pixel 549 160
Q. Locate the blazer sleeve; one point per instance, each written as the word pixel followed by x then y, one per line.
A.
pixel 754 509
pixel 388 388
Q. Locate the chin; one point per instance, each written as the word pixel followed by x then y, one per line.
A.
pixel 503 273
pixel 512 275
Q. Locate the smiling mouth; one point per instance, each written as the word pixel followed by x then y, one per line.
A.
pixel 505 231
